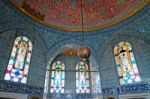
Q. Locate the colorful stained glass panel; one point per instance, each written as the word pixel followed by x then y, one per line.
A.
pixel 82 78
pixel 126 64
pixel 18 65
pixel 57 77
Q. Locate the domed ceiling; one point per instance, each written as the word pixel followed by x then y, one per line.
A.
pixel 66 14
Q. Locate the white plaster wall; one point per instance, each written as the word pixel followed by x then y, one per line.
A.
pixel 13 95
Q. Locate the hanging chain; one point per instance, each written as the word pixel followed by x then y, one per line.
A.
pixel 82 20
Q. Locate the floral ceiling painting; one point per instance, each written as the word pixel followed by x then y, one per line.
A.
pixel 66 14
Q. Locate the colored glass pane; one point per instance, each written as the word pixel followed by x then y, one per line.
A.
pixel 126 64
pixel 18 65
pixel 57 77
pixel 82 78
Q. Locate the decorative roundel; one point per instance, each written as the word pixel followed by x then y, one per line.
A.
pixel 125 61
pixel 17 73
pixel 23 45
pixel 20 58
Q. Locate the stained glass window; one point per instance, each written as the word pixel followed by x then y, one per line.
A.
pixel 57 77
pixel 82 78
pixel 126 64
pixel 19 61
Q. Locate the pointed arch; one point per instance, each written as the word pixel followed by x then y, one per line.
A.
pixel 82 78
pixel 57 77
pixel 126 64
pixel 19 61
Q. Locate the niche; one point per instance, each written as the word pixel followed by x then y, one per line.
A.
pixel 35 97
pixel 111 98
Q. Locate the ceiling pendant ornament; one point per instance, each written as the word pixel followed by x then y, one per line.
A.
pixel 84 52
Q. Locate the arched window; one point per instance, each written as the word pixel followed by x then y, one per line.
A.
pixel 82 78
pixel 126 64
pixel 57 77
pixel 19 61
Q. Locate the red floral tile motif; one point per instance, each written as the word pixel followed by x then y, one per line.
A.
pixel 67 13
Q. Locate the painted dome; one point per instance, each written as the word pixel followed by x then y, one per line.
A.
pixel 66 14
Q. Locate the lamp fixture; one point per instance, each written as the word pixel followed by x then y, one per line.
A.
pixel 84 52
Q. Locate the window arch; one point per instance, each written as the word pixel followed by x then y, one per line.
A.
pixel 19 61
pixel 57 77
pixel 82 78
pixel 126 64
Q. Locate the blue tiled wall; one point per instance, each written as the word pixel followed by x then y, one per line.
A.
pixel 108 71
pixel 141 50
pixel 49 42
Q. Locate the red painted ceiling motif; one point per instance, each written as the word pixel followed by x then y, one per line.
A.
pixel 67 13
